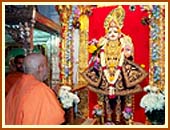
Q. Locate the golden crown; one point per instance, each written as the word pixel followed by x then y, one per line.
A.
pixel 117 15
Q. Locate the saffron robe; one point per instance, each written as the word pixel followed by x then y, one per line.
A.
pixel 31 102
pixel 11 79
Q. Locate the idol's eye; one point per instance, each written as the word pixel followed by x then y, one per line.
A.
pixel 148 91
pixel 127 49
pixel 110 31
pixel 115 31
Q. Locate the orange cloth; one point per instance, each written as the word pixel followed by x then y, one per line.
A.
pixel 31 102
pixel 11 79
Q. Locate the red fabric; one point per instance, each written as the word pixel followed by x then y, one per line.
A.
pixel 140 38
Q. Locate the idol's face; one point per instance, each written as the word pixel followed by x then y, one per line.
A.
pixel 113 32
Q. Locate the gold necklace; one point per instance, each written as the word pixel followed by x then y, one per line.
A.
pixel 112 57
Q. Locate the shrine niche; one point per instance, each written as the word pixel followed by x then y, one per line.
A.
pixel 115 70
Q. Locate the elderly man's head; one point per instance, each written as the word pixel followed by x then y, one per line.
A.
pixel 36 64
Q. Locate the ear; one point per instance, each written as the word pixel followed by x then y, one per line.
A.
pixel 40 68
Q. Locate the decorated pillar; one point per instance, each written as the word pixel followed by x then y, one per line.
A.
pixel 83 55
pixel 73 50
pixel 72 18
pixel 66 18
pixel 157 45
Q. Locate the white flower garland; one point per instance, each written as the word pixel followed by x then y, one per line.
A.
pixel 67 98
pixel 153 100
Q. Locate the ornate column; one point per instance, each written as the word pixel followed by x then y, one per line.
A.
pixel 66 18
pixel 157 46
pixel 83 55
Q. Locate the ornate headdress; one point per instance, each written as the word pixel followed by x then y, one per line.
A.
pixel 117 15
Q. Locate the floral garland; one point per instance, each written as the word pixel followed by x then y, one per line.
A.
pixel 104 67
pixel 157 44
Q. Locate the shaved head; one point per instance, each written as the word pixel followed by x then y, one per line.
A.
pixel 36 64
